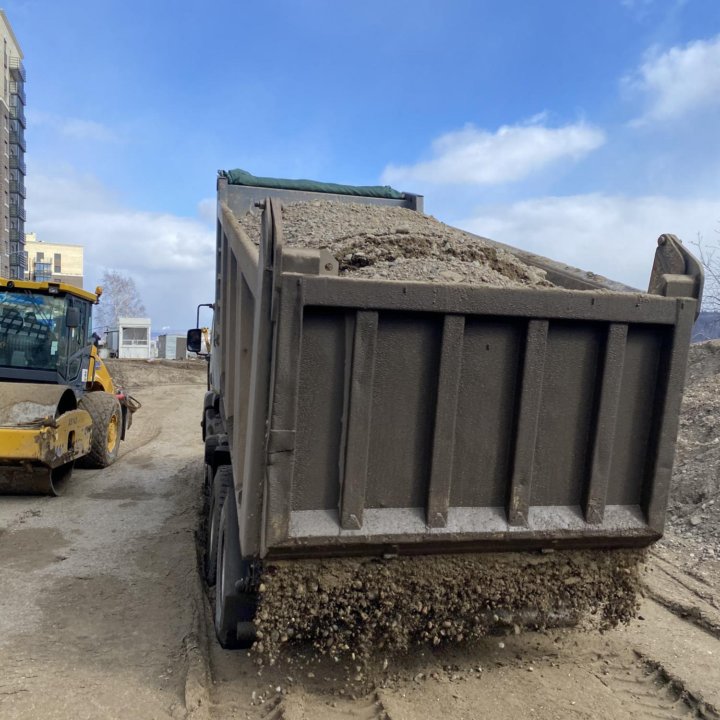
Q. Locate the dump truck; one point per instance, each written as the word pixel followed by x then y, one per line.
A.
pixel 404 424
pixel 58 403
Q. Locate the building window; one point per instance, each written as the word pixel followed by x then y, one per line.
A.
pixel 39 256
pixel 134 336
pixel 57 259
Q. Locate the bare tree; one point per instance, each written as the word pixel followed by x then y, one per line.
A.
pixel 120 298
pixel 709 256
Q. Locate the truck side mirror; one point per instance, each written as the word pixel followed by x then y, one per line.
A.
pixel 72 317
pixel 194 340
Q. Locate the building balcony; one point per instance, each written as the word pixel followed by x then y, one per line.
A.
pixel 17 236
pixel 18 138
pixel 17 112
pixel 18 89
pixel 18 188
pixel 16 247
pixel 17 211
pixel 18 261
pixel 17 69
pixel 17 163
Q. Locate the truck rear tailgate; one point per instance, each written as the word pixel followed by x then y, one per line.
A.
pixel 373 417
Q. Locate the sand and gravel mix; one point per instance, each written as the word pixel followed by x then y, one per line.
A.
pixel 362 607
pixel 378 241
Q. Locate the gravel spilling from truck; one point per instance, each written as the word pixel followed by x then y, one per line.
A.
pixel 362 607
pixel 394 243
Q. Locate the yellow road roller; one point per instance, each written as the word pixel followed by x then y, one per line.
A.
pixel 58 402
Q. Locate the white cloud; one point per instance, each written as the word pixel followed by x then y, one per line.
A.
pixel 680 81
pixel 513 152
pixel 207 210
pixel 171 258
pixel 614 236
pixel 74 128
pixel 87 130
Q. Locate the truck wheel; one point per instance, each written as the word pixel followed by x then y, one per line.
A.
pixel 104 409
pixel 211 415
pixel 212 423
pixel 211 443
pixel 221 487
pixel 234 611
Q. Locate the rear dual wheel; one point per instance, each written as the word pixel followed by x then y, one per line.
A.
pixel 234 610
pixel 222 485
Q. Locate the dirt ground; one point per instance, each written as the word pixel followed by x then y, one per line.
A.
pixel 102 614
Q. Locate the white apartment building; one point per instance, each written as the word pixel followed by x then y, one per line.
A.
pixel 58 262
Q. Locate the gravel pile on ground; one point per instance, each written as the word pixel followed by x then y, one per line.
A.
pixel 361 607
pixel 377 241
pixel 695 493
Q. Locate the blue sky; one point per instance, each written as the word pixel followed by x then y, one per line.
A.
pixel 579 130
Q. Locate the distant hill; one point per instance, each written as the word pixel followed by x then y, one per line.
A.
pixel 707 327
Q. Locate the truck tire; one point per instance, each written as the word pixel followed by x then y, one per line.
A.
pixel 222 485
pixel 211 415
pixel 234 611
pixel 211 443
pixel 212 423
pixel 106 414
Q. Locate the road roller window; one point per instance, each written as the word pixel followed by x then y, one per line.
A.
pixel 31 329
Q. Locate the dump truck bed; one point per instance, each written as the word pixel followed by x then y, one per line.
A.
pixel 397 417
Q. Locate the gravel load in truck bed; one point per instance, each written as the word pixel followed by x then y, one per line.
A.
pixel 378 241
pixel 361 607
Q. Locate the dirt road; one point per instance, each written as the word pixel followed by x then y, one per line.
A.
pixel 98 588
pixel 102 616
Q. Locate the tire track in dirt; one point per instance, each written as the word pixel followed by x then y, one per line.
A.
pixel 660 694
pixel 367 707
pixel 688 598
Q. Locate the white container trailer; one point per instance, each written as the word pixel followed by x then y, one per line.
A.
pixel 172 347
pixel 131 339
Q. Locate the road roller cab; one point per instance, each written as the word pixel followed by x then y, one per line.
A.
pixel 58 403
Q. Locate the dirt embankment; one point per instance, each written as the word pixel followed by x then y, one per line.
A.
pixel 134 374
pixel 378 241
pixel 694 510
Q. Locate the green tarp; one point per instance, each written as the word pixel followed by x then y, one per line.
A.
pixel 241 177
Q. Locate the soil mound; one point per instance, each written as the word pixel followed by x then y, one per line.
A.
pixel 132 375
